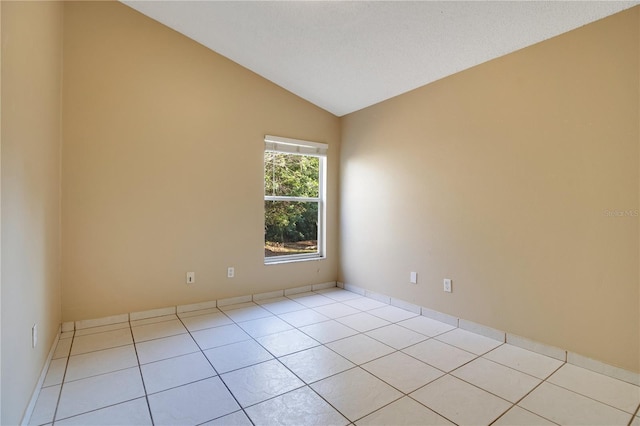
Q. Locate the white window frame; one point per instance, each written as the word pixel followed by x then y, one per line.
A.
pixel 311 149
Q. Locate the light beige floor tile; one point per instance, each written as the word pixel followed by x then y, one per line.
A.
pixel 396 336
pixel 502 381
pixel 517 416
pixel 173 372
pixel 303 317
pixel 248 313
pixel 568 408
pixel 264 326
pixel 616 393
pixel 636 421
pixel 461 402
pixel 260 382
pixel 219 336
pixel 440 355
pixel 392 313
pixel 402 371
pixel 96 392
pixel 101 328
pixel 427 326
pixel 237 355
pixel 192 404
pixel 234 306
pixel 156 350
pixel 360 348
pixel 153 320
pixel 99 341
pixel 312 300
pixel 281 305
pixel 364 303
pixel 100 362
pixel 316 363
pixel 286 342
pixel 532 363
pixel 338 294
pixel 134 412
pixel 336 310
pixel 55 373
pixel 239 418
pixel 403 412
pixel 201 322
pixel 328 331
pixel 356 393
pixel 197 313
pixel 62 348
pixel 363 321
pixel 470 342
pixel 158 330
pixel 45 405
pixel 299 407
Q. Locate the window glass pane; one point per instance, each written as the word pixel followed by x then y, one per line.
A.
pixel 291 175
pixel 291 227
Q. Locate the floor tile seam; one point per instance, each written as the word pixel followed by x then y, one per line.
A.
pixel 159 337
pixel 544 378
pixel 66 366
pixel 98 409
pixel 341 338
pixel 224 415
pixel 527 410
pixel 456 346
pixel 368 414
pixel 144 386
pixel 202 379
pixel 511 404
pixel 217 375
pixel 75 332
pixel 419 332
pixel 431 409
pixel 506 366
pixel 103 374
pixel 132 323
pixel 490 392
pixel 252 319
pixel 335 408
pixel 387 383
pixel 397 349
pixel 101 349
pixel 424 362
pixel 589 397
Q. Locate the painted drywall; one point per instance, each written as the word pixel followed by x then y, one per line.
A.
pixel 518 179
pixel 30 158
pixel 162 169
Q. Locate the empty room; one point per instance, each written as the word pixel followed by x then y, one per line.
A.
pixel 320 213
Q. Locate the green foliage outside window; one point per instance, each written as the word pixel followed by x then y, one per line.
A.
pixel 291 175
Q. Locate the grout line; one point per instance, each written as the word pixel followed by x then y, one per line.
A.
pixel 217 373
pixel 144 385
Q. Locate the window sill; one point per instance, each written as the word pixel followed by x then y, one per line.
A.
pixel 280 261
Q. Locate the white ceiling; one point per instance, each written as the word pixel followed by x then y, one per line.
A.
pixel 346 55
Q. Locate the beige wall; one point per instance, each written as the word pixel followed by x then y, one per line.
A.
pixel 500 177
pixel 162 168
pixel 31 78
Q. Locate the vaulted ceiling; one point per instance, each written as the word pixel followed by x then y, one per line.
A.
pixel 346 55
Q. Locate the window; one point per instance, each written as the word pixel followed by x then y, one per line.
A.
pixel 294 199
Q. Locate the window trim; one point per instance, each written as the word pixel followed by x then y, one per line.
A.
pixel 310 149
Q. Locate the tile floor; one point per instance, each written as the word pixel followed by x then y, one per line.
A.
pixel 329 357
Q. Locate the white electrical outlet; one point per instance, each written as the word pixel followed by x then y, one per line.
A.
pixel 191 277
pixel 413 278
pixel 447 285
pixel 231 272
pixel 34 335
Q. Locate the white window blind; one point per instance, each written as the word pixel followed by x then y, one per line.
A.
pixel 295 146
